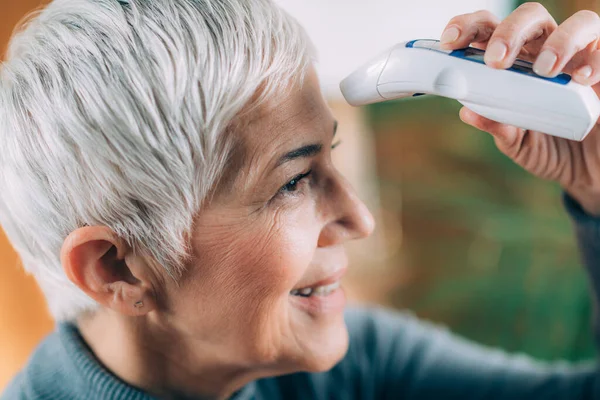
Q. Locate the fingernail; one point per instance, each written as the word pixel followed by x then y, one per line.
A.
pixel 585 72
pixel 545 62
pixel 495 52
pixel 450 35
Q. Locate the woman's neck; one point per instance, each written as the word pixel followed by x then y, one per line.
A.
pixel 161 363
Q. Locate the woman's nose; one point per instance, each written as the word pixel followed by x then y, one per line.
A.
pixel 347 216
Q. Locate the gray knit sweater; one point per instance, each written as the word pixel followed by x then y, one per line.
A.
pixel 391 356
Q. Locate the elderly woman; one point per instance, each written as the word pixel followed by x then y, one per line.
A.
pixel 167 177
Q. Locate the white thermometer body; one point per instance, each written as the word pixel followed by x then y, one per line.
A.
pixel 515 96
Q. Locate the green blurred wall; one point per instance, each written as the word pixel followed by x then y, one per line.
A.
pixel 487 249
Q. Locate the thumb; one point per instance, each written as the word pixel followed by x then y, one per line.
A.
pixel 508 138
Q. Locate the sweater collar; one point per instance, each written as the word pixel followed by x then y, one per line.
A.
pixel 100 382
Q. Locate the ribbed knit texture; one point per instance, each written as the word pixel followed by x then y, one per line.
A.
pixel 392 355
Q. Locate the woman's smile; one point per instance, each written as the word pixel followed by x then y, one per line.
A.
pixel 323 297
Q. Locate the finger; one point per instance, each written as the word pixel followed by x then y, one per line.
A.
pixel 542 155
pixel 587 72
pixel 480 46
pixel 465 29
pixel 571 37
pixel 525 54
pixel 529 23
pixel 507 138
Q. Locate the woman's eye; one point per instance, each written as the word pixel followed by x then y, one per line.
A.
pixel 292 185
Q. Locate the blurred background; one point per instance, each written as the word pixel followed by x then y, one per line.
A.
pixel 465 238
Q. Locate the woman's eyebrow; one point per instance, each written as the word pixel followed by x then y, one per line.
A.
pixel 307 151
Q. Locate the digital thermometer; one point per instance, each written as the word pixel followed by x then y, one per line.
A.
pixel 515 96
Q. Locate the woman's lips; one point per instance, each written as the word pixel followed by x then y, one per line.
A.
pixel 331 279
pixel 316 305
pixel 322 297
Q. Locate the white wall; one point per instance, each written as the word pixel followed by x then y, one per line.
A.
pixel 347 33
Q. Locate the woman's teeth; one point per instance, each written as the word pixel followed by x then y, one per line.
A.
pixel 317 291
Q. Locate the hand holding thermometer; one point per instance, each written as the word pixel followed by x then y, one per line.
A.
pixel 516 96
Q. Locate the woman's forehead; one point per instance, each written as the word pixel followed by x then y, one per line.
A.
pixel 298 117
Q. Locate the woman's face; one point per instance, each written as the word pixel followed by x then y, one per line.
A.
pixel 268 252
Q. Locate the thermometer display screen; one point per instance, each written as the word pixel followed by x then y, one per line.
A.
pixel 476 55
pixel 520 66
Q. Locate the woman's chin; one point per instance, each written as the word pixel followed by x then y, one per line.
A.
pixel 321 331
pixel 325 352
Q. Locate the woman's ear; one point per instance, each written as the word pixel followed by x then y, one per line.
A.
pixel 106 269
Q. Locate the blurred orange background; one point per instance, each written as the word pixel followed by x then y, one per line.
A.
pixel 23 314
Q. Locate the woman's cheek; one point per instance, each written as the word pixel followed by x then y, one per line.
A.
pixel 283 248
pixel 258 256
pixel 251 256
pixel 298 234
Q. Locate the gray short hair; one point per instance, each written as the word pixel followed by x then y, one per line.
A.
pixel 115 112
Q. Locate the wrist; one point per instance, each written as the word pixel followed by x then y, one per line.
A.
pixel 588 199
